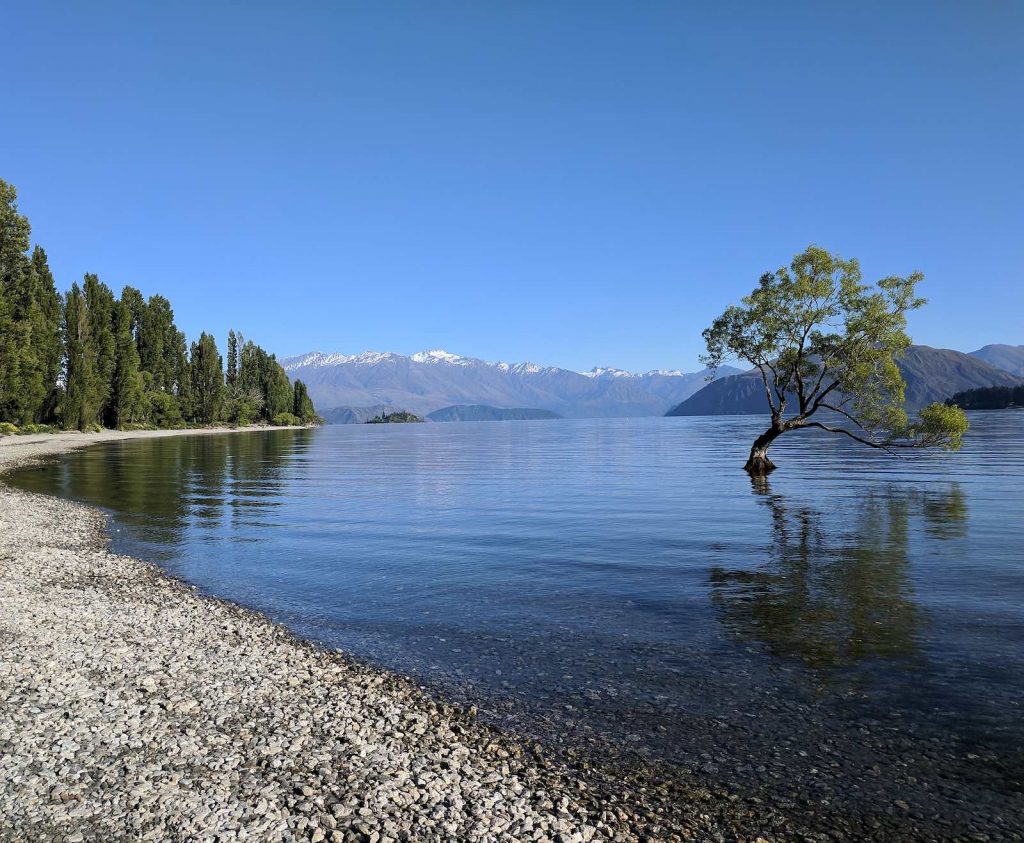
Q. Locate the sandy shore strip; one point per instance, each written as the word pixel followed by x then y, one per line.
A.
pixel 134 708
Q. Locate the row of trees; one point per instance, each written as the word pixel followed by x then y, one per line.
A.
pixel 989 398
pixel 90 358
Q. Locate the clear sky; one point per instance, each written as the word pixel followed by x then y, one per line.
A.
pixel 572 183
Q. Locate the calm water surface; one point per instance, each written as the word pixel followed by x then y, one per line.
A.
pixel 853 625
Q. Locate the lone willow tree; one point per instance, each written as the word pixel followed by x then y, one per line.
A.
pixel 826 347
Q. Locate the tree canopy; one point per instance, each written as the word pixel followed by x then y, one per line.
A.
pixel 825 342
pixel 88 358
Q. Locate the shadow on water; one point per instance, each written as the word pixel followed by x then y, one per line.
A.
pixel 833 595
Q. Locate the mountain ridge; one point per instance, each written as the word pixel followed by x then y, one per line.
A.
pixel 1009 358
pixel 931 374
pixel 431 380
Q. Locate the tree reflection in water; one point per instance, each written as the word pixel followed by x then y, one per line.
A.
pixel 835 595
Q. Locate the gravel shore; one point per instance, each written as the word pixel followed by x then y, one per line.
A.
pixel 134 708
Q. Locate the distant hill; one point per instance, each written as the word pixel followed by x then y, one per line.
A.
pixel 931 374
pixel 935 374
pixel 354 415
pixel 990 398
pixel 1009 358
pixel 481 412
pixel 432 380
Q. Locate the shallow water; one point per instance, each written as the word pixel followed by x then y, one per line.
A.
pixel 846 634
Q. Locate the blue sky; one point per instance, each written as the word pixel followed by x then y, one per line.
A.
pixel 577 184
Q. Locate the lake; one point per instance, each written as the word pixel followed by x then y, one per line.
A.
pixel 846 636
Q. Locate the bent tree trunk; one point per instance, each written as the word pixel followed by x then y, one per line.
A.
pixel 758 464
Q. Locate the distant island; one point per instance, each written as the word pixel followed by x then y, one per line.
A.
pixel 989 398
pixel 401 417
pixel 482 412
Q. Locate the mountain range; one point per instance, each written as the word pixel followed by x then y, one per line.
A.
pixel 1010 358
pixel 353 388
pixel 931 374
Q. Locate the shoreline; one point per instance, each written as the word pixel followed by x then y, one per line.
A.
pixel 134 706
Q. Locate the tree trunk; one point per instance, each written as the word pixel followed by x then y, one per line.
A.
pixel 758 464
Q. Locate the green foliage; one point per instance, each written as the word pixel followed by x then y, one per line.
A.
pixel 241 405
pixel 127 399
pixel 162 409
pixel 232 370
pixel 989 398
pixel 286 420
pixel 823 340
pixel 302 404
pixel 401 417
pixel 939 426
pixel 206 380
pixel 30 340
pixel 260 374
pixel 88 359
pixel 8 429
pixel 79 409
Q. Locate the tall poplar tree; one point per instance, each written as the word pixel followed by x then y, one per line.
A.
pixel 48 338
pixel 79 411
pixel 207 380
pixel 99 303
pixel 126 400
pixel 232 373
pixel 302 404
pixel 14 240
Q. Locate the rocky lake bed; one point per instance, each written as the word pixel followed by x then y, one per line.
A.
pixel 133 706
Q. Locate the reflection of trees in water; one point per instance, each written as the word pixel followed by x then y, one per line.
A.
pixel 165 486
pixel 830 598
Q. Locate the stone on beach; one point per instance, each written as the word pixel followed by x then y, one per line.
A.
pixel 133 707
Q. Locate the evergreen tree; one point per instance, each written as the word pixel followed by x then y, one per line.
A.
pixel 157 337
pixel 78 410
pixel 232 373
pixel 302 405
pixel 48 337
pixel 181 386
pixel 279 396
pixel 89 358
pixel 207 380
pixel 260 373
pixel 126 404
pixel 99 305
pixel 14 240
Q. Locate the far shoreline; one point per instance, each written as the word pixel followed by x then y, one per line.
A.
pixel 67 440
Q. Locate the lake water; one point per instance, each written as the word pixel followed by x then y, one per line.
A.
pixel 845 637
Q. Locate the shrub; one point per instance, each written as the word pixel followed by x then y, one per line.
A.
pixel 37 428
pixel 8 429
pixel 287 419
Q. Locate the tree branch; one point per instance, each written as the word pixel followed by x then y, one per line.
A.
pixel 882 446
pixel 767 390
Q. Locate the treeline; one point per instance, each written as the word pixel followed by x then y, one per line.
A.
pixel 91 359
pixel 989 398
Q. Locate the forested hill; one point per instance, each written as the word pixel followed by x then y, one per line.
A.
pixel 989 398
pixel 89 359
pixel 931 374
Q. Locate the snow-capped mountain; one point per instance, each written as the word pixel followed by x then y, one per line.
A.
pixel 430 380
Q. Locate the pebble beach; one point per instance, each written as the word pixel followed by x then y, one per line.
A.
pixel 132 707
